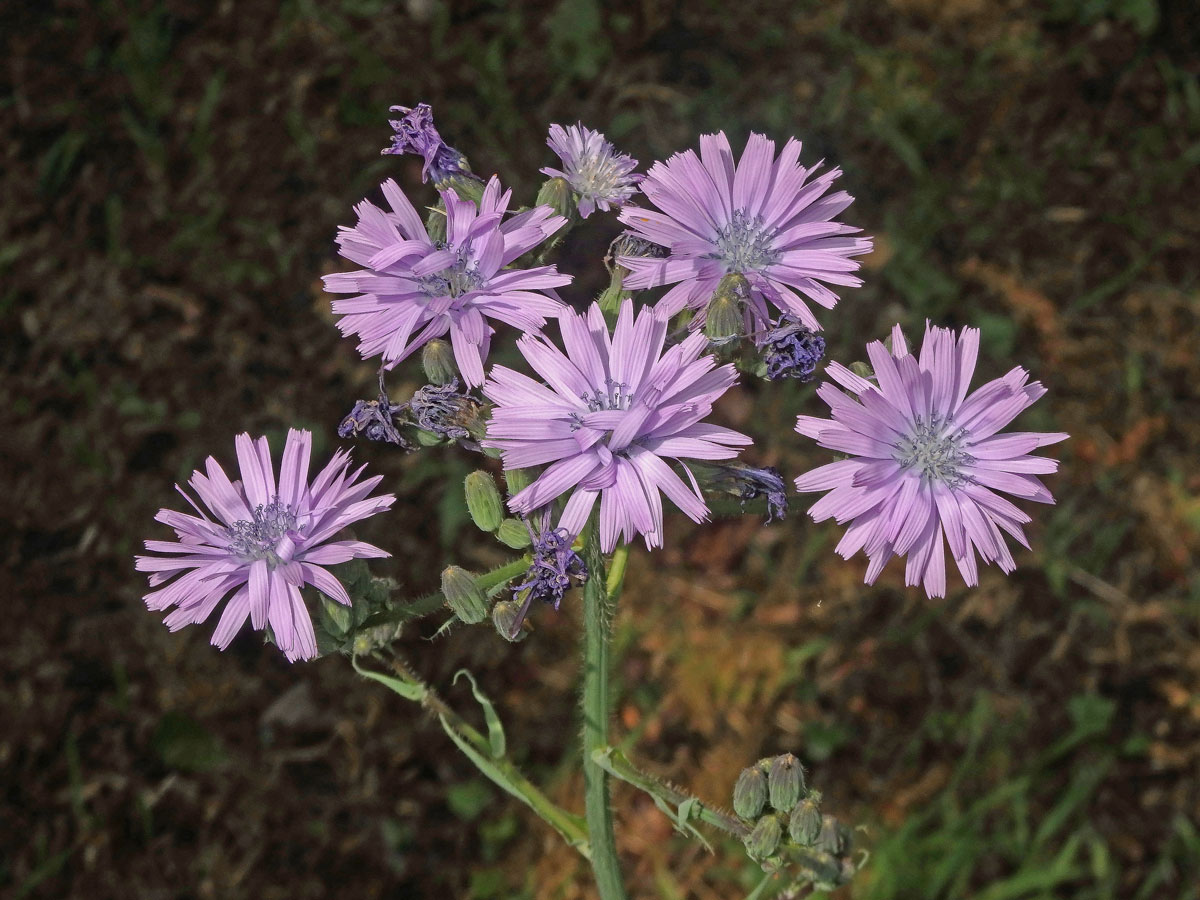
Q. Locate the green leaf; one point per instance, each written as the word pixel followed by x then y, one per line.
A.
pixel 409 690
pixel 495 729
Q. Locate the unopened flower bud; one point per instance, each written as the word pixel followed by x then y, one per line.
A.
pixel 763 841
pixel 805 823
pixel 507 616
pixel 483 501
pixel 833 838
pixel 517 480
pixel 723 319
pixel 514 533
pixel 463 595
pixel 750 793
pixel 786 782
pixel 437 359
pixel 556 193
pixel 862 370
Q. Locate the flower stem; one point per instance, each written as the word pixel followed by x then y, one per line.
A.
pixel 479 749
pixel 597 618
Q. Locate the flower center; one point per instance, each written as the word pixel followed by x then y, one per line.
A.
pixel 259 538
pixel 935 450
pixel 745 245
pixel 597 175
pixel 459 278
pixel 614 396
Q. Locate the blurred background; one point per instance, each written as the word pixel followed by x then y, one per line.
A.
pixel 172 177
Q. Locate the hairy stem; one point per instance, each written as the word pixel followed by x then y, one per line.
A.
pixel 597 618
pixel 616 764
pixel 478 748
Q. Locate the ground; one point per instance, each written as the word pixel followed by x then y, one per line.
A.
pixel 173 174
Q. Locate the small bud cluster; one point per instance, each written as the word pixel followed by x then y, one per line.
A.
pixel 789 830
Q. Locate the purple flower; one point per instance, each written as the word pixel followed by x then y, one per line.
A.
pixel 591 166
pixel 927 459
pixel 610 411
pixel 416 134
pixel 266 540
pixel 762 219
pixel 413 290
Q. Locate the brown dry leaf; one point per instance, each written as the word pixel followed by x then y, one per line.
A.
pixel 1028 303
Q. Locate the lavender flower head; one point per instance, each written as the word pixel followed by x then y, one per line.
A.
pixel 791 351
pixel 416 135
pixel 593 168
pixel 264 541
pixel 927 459
pixel 414 290
pixel 610 410
pixel 763 219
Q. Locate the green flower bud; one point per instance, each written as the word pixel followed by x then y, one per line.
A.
pixel 435 223
pixel 437 359
pixel 786 781
pixel 834 838
pixel 750 793
pixel 556 193
pixel 805 823
pixel 513 533
pixel 610 298
pixel 517 480
pixel 463 595
pixel 504 616
pixel 763 841
pixel 723 319
pixel 862 370
pixel 483 501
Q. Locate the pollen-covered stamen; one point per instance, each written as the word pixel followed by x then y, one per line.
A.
pixel 616 395
pixel 598 174
pixel 745 244
pixel 259 539
pixel 457 279
pixel 935 449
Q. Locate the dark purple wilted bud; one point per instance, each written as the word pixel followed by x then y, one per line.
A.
pixel 375 420
pixel 791 351
pixel 416 134
pixel 550 573
pixel 746 483
pixel 448 412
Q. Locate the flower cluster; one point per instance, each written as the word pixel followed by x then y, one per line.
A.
pixel 600 176
pixel 414 289
pixel 763 219
pixel 927 459
pixel 611 408
pixel 264 541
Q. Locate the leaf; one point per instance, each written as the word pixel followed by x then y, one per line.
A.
pixel 495 729
pixel 409 690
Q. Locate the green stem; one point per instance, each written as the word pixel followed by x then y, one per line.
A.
pixel 616 764
pixel 616 574
pixel 597 616
pixel 499 769
pixel 423 606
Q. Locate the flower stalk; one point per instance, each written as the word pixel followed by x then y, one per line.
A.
pixel 597 618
